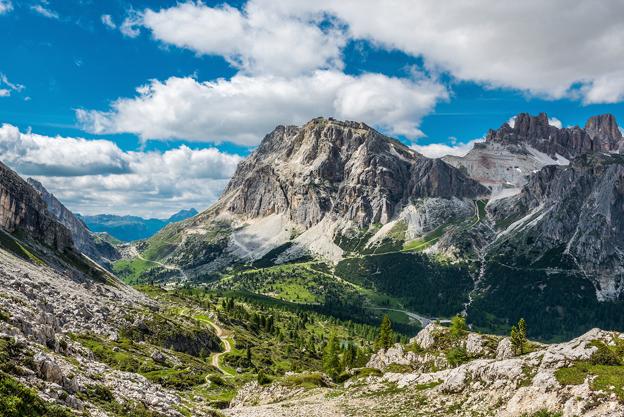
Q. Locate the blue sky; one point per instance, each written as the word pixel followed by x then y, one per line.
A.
pixel 217 76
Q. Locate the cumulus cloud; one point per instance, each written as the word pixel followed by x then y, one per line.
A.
pixel 5 6
pixel 95 176
pixel 5 92
pixel 500 44
pixel 241 110
pixel 107 21
pixel 44 11
pixel 438 150
pixel 256 39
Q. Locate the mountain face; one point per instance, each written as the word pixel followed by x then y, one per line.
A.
pixel 91 245
pixel 605 132
pixel 343 169
pixel 23 211
pixel 129 228
pixel 511 154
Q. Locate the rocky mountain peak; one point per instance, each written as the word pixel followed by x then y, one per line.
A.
pixel 604 129
pixel 538 133
pixel 339 167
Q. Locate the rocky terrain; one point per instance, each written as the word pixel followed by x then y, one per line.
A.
pixel 53 301
pixel 22 210
pixel 417 380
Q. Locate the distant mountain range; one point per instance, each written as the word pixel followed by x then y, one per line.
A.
pixel 129 228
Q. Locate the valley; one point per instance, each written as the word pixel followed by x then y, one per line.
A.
pixel 363 277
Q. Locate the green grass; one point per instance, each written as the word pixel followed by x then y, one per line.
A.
pixel 481 207
pixel 17 400
pixel 607 378
pixel 306 380
pixel 131 270
pixel 12 245
pixel 427 240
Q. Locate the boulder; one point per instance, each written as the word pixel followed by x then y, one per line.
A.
pixel 504 350
pixel 426 337
pixel 475 344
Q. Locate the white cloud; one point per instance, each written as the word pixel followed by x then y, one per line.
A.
pixel 553 121
pixel 95 176
pixel 518 45
pixel 243 109
pixel 107 21
pixel 33 154
pixel 438 150
pixel 130 25
pixel 256 40
pixel 44 11
pixel 9 87
pixel 5 6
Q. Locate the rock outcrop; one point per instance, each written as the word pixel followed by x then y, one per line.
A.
pixel 22 210
pixel 577 208
pixel 506 386
pixel 604 130
pixel 538 133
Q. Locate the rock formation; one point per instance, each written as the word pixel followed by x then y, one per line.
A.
pixel 100 251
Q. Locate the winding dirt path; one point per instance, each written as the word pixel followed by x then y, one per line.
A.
pixel 225 338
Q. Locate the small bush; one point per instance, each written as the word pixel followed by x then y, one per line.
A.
pixel 263 379
pixel 604 355
pixel 456 356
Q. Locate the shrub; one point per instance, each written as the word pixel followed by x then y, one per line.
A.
pixel 456 356
pixel 604 355
pixel 263 379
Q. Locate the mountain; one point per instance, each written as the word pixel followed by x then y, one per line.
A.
pixel 314 191
pixel 88 243
pixel 528 215
pixel 129 228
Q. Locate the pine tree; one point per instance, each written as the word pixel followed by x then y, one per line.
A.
pixel 331 360
pixel 386 336
pixel 458 326
pixel 518 337
pixel 349 356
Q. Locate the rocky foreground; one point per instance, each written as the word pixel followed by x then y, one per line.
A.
pixel 418 380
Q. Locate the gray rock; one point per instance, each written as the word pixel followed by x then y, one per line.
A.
pixel 504 350
pixel 83 239
pixel 157 356
pixel 475 344
pixel 426 337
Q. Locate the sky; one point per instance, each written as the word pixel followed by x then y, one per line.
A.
pixel 146 107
